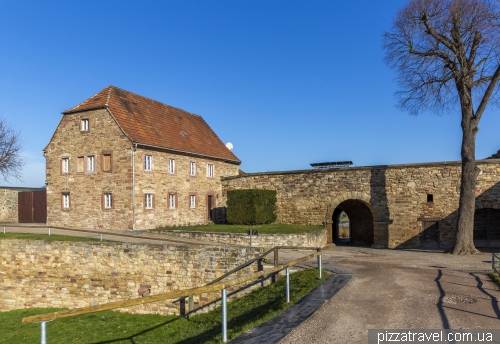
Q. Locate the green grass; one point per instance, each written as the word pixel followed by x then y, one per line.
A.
pixel 274 228
pixel 495 277
pixel 53 237
pixel 114 327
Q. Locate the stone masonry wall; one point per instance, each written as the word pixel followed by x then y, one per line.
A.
pixel 72 275
pixel 8 205
pixel 87 189
pixel 397 196
pixel 317 238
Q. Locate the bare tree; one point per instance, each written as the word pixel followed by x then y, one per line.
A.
pixel 447 57
pixel 11 160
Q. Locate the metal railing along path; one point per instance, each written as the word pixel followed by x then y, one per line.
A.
pixel 43 318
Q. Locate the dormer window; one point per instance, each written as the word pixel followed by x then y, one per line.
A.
pixel 84 124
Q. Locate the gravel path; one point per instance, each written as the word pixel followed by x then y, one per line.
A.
pixel 403 289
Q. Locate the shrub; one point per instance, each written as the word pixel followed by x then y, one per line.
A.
pixel 251 207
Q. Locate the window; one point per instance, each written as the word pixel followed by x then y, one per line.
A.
pixel 106 162
pixel 80 167
pixel 171 201
pixel 192 201
pixel 171 166
pixel 108 201
pixel 210 171
pixel 192 168
pixel 65 165
pixel 65 200
pixel 90 163
pixel 430 198
pixel 148 201
pixel 148 162
pixel 84 124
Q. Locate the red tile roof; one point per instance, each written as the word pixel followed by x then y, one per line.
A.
pixel 149 122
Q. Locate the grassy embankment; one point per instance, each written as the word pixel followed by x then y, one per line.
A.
pixel 273 228
pixel 114 327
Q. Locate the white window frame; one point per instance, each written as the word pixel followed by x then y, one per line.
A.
pixel 148 199
pixel 192 201
pixel 210 170
pixel 171 201
pixel 84 124
pixel 192 168
pixel 148 162
pixel 91 163
pixel 171 166
pixel 108 200
pixel 66 203
pixel 65 165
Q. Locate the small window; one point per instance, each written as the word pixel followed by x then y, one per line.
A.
pixel 90 163
pixel 84 124
pixel 148 201
pixel 106 162
pixel 65 165
pixel 80 166
pixel 148 162
pixel 210 171
pixel 65 201
pixel 171 201
pixel 192 201
pixel 430 198
pixel 108 201
pixel 192 168
pixel 171 166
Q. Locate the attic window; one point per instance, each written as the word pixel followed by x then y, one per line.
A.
pixel 184 134
pixel 96 99
pixel 134 103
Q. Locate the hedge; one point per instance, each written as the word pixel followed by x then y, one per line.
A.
pixel 251 207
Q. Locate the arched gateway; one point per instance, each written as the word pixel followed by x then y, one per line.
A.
pixel 366 220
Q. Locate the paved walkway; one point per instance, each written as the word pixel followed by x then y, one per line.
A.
pixel 403 289
pixel 138 236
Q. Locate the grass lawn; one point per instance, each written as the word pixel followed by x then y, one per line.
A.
pixel 114 327
pixel 53 237
pixel 274 228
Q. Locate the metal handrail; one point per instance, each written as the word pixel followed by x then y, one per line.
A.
pixel 43 318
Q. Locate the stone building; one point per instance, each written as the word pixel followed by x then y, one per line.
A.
pixel 121 161
pixel 412 205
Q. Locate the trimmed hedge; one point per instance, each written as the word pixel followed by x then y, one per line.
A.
pixel 251 207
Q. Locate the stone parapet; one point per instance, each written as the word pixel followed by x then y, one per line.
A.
pixel 72 275
pixel 315 238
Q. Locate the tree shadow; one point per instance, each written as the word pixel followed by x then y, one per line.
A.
pixel 442 294
pixel 494 300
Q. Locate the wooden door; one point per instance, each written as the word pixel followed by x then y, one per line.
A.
pixel 209 207
pixel 487 227
pixel 32 206
pixel 25 207
pixel 429 237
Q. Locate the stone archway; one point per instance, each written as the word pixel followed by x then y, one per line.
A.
pixel 368 225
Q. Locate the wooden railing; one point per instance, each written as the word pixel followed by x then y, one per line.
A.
pixel 42 318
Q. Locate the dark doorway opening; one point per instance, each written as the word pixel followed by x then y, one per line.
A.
pixel 487 227
pixel 210 207
pixel 352 224
pixel 429 237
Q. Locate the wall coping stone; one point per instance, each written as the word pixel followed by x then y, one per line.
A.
pixel 361 168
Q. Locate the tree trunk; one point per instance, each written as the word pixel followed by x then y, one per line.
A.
pixel 464 240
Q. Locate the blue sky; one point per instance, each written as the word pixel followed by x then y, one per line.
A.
pixel 289 82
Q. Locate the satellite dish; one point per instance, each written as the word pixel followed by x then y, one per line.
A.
pixel 229 146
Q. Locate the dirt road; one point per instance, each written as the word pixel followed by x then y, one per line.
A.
pixel 395 289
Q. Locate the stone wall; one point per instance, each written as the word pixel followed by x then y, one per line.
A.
pixel 87 189
pixel 72 275
pixel 398 197
pixel 316 238
pixel 8 205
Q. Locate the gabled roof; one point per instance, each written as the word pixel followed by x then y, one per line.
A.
pixel 148 122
